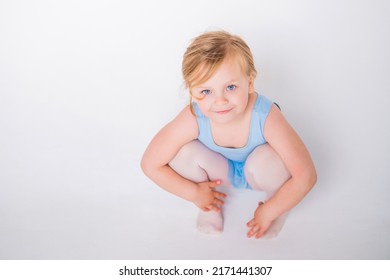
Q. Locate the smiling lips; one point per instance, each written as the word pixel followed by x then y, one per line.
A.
pixel 223 111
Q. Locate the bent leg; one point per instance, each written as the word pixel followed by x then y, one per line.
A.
pixel 197 163
pixel 265 171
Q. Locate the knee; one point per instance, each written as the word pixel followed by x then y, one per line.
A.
pixel 186 153
pixel 265 170
pixel 262 160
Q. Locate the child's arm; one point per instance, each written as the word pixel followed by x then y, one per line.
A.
pixel 286 142
pixel 163 148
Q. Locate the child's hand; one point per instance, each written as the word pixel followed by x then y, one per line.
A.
pixel 260 223
pixel 208 198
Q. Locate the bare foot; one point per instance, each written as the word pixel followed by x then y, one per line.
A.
pixel 210 222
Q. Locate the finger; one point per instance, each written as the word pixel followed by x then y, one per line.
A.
pixel 214 184
pixel 214 208
pixel 219 194
pixel 250 223
pixel 218 201
pixel 253 231
pixel 260 233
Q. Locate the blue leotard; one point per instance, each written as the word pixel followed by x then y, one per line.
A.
pixel 237 156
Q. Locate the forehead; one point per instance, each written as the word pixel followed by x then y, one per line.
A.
pixel 229 69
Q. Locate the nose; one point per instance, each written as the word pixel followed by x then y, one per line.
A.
pixel 220 99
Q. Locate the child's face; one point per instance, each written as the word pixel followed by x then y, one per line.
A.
pixel 224 97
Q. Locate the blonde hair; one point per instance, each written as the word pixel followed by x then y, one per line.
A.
pixel 206 53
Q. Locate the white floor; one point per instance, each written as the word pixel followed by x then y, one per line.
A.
pixel 90 201
pixel 79 103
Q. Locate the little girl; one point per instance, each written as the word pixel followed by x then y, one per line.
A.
pixel 229 136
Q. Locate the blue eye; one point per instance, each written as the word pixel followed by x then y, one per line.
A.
pixel 206 91
pixel 231 87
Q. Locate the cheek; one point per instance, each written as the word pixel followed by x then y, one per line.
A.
pixel 203 107
pixel 243 100
pixel 243 96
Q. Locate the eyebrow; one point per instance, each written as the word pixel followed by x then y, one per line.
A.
pixel 232 81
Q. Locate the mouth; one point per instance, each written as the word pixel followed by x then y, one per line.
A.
pixel 222 112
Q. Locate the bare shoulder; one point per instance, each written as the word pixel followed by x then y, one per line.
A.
pixel 286 142
pixel 182 129
pixel 168 141
pixel 184 124
pixel 279 133
pixel 276 123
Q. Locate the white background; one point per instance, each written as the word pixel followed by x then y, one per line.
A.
pixel 84 86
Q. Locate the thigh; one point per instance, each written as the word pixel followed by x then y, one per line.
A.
pixel 198 163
